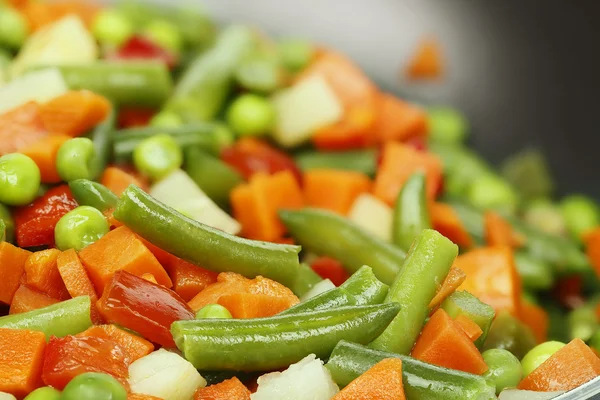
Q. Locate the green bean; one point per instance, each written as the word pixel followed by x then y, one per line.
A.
pixel 464 303
pixel 94 194
pixel 165 34
pixel 305 280
pixel 580 213
pixel 9 223
pixel 582 323
pixel 535 274
pixel 411 215
pixel 2 230
pixel 102 139
pixel 364 161
pixel 528 172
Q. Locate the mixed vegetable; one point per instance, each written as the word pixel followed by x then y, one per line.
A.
pixel 189 212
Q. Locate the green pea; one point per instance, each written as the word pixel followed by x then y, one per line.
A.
pixel 94 386
pixel 166 119
pixel 112 27
pixel 223 137
pixel 44 393
pixel 580 213
pixel 504 369
pixel 447 125
pixel 295 54
pixel 157 156
pixel 79 228
pixel 213 311
pixel 490 191
pixel 77 159
pixel 13 28
pixel 164 34
pixel 251 115
pixel 540 353
pixel 9 223
pixel 19 179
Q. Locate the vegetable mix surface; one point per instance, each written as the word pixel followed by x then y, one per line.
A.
pixel 189 212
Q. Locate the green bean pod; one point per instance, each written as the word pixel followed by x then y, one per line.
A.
pixel 364 161
pixel 425 268
pixel 325 233
pixel 422 381
pixel 2 230
pixel 202 245
pixel 102 138
pixel 266 344
pixel 306 279
pixel 9 223
pixel 94 194
pixel 68 317
pixel 411 215
pixel 464 303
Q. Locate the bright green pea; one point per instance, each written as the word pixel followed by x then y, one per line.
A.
pixel 504 369
pixel 19 179
pixel 213 311
pixel 447 125
pixel 490 191
pixel 540 353
pixel 580 213
pixel 295 54
pixel 166 119
pixel 77 159
pixel 157 156
pixel 94 386
pixel 13 28
pixel 251 115
pixel 112 27
pixel 164 34
pixel 223 137
pixel 9 223
pixel 44 393
pixel 79 228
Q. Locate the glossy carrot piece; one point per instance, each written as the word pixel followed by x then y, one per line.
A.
pixel 536 318
pixel 139 396
pixel 26 299
pixel 12 267
pixel 498 232
pixel 446 221
pixel 249 305
pixel 383 381
pixel 399 120
pixel 76 279
pixel 454 279
pixel 43 152
pixel 189 279
pixel 134 346
pixel 470 328
pixel 20 127
pixel 21 357
pixel 41 271
pixel 229 389
pixel 592 242
pixel 334 190
pixel 426 62
pixel 117 180
pixel 74 113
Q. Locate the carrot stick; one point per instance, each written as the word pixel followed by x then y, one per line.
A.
pixel 43 152
pixel 446 221
pixel 427 61
pixel 230 389
pixel 470 328
pixel 20 127
pixel 399 120
pixel 134 346
pixel 76 279
pixel 334 190
pixel 454 279
pixel 498 231
pixel 21 357
pixel 383 381
pixel 568 368
pixel 536 318
pixel 120 249
pixel 42 274
pixel 12 267
pixel 26 299
pixel 118 180
pixel 74 112
pixel 443 342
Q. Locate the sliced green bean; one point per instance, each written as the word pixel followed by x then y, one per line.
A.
pixel 94 194
pixel 411 215
pixel 364 161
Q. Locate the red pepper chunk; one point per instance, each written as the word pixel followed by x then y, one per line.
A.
pixel 69 356
pixel 144 307
pixel 34 223
pixel 329 268
pixel 141 48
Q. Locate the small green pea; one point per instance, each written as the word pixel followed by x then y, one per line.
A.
pixel 13 28
pixel 447 125
pixel 538 355
pixel 504 369
pixel 295 54
pixel 166 119
pixel 94 386
pixel 251 115
pixel 44 393
pixel 580 213
pixel 157 156
pixel 77 159
pixel 79 228
pixel 19 179
pixel 112 27
pixel 213 311
pixel 164 34
pixel 490 191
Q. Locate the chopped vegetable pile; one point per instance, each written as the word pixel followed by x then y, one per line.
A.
pixel 189 212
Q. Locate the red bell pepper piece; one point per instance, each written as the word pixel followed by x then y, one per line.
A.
pixel 329 268
pixel 141 48
pixel 69 356
pixel 34 223
pixel 134 117
pixel 143 306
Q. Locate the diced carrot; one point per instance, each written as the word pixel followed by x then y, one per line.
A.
pixel 352 131
pixel 444 343
pixel 255 204
pixel 118 180
pixel 399 120
pixel 330 268
pixel 135 347
pixel 21 357
pixel 12 267
pixel 41 13
pixel 334 190
pixel 492 277
pixel 498 231
pixel 536 318
pixel 446 221
pixel 20 127
pixel 248 305
pixel 230 389
pixel 454 279
pixel 427 61
pixel 470 328
pixel 398 163
pixel 26 299
pixel 592 242
pixel 120 249
pixel 75 112
pixel 42 274
pixel 383 381
pixel 568 368
pixel 43 152
pixel 149 278
pixel 139 396
pixel 189 279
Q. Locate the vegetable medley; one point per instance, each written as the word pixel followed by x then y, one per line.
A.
pixel 193 213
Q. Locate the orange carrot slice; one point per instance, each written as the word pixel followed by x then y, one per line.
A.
pixel 592 242
pixel 42 274
pixel 454 279
pixel 470 328
pixel 118 180
pixel 230 389
pixel 248 305
pixel 20 127
pixel 399 120
pixel 536 318
pixel 427 62
pixel 383 381
pixel 12 267
pixel 446 221
pixel 134 346
pixel 498 231
pixel 334 190
pixel 21 358
pixel 43 152
pixel 74 113
pixel 26 299
pixel 76 279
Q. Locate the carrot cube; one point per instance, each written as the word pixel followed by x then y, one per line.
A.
pixel 42 274
pixel 21 358
pixel 334 190
pixel 12 267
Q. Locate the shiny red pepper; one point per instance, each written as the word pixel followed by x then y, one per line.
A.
pixel 34 223
pixel 134 117
pixel 144 307
pixel 329 268
pixel 69 356
pixel 249 156
pixel 141 48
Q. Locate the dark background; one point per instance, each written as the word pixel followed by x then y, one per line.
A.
pixel 525 72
